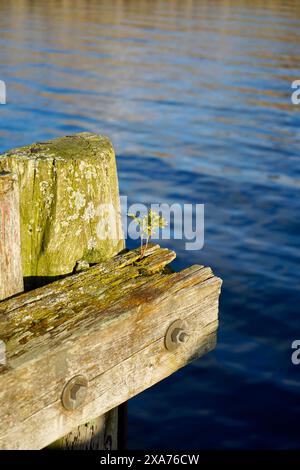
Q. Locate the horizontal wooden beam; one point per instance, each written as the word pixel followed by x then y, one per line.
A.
pixel 107 324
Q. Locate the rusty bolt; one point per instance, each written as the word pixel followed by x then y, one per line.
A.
pixel 74 392
pixel 176 335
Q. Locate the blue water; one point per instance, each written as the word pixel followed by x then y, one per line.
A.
pixel 195 97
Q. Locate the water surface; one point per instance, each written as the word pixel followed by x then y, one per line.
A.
pixel 195 96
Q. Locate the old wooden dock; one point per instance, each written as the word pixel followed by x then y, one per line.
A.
pixel 84 342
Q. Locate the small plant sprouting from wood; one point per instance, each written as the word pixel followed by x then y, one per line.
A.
pixel 148 224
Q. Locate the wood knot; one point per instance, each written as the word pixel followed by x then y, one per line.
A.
pixel 7 181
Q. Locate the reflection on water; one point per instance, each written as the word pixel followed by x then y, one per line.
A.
pixel 195 96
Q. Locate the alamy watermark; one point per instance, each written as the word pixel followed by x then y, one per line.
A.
pixel 2 92
pixel 181 222
pixel 295 98
pixel 296 354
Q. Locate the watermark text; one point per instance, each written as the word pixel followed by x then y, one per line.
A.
pixel 2 92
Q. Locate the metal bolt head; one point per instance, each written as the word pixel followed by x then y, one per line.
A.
pixel 176 335
pixel 179 336
pixel 74 393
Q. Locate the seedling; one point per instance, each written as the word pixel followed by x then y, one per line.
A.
pixel 148 224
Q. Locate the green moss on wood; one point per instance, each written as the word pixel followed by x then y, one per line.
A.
pixel 66 185
pixel 96 292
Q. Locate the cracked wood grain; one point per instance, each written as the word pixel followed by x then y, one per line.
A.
pixel 107 323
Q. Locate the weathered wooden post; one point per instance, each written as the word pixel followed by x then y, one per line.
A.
pixel 11 277
pixel 68 187
pixel 70 217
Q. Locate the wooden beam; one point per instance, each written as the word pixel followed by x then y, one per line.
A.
pixel 107 324
pixel 11 277
pixel 100 433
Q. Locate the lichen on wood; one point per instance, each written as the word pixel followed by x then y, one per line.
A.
pixel 68 190
pixel 107 323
